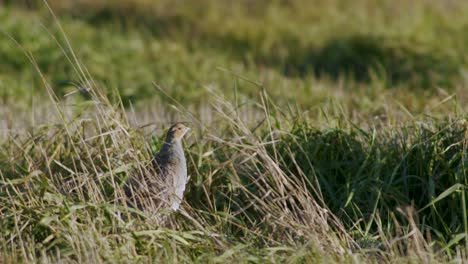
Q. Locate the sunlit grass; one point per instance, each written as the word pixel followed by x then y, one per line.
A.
pixel 285 164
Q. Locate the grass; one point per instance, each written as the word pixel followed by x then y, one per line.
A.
pixel 312 141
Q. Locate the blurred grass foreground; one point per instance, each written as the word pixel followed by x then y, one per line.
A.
pixel 323 131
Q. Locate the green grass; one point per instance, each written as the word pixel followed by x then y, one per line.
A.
pixel 360 172
pixel 331 132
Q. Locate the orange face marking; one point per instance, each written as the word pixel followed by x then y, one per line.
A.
pixel 177 131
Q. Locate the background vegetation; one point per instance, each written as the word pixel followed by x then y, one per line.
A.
pixel 324 131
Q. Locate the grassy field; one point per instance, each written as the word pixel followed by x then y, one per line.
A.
pixel 322 131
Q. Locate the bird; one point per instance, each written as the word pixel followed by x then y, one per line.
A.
pixel 163 184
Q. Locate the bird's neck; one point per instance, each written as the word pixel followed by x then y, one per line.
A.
pixel 172 148
pixel 168 144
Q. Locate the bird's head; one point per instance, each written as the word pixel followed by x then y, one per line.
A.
pixel 176 132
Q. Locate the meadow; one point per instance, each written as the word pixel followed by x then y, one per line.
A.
pixel 322 131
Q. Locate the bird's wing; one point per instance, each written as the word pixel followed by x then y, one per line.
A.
pixel 144 177
pixel 157 164
pixel 143 189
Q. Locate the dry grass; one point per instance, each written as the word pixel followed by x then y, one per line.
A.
pixel 268 182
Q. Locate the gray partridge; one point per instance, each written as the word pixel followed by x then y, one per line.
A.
pixel 164 185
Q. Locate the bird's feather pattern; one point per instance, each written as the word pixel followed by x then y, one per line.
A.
pixel 165 180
